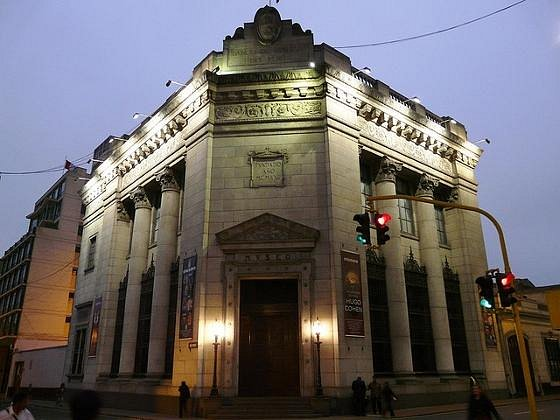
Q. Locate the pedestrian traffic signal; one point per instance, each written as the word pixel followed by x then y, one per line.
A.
pixel 486 291
pixel 380 220
pixel 363 236
pixel 505 289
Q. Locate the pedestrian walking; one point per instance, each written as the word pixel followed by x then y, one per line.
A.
pixel 375 396
pixel 184 395
pixel 480 406
pixel 60 395
pixel 18 410
pixel 85 405
pixel 359 397
pixel 388 397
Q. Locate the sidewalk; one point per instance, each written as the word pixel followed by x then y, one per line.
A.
pixel 407 412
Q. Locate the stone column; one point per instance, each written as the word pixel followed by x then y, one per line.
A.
pixel 396 288
pixel 165 256
pixel 136 266
pixel 431 259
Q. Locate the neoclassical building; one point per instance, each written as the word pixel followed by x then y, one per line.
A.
pixel 232 206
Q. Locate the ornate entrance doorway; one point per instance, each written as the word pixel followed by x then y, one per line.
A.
pixel 268 338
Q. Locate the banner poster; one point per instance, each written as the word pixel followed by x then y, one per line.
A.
pixel 95 327
pixel 489 333
pixel 188 282
pixel 352 293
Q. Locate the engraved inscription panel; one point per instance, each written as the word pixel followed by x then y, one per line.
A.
pixel 267 168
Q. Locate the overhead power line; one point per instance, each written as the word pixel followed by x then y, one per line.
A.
pixel 439 31
pixel 76 162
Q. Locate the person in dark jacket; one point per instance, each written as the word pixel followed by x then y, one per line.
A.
pixel 359 397
pixel 480 406
pixel 375 396
pixel 388 397
pixel 184 395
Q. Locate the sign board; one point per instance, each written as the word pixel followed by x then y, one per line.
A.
pixel 94 336
pixel 352 295
pixel 188 283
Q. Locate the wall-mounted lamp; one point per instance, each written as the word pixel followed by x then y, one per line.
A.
pixel 365 70
pixel 414 99
pixel 317 330
pixel 173 82
pixel 312 64
pixel 137 115
pixel 482 141
pixel 117 138
pixel 81 178
pixel 448 120
pixel 216 69
pixel 97 160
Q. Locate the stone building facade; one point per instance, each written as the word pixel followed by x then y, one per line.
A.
pixel 38 280
pixel 233 205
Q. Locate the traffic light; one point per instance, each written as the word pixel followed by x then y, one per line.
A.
pixel 505 289
pixel 486 291
pixel 363 230
pixel 380 220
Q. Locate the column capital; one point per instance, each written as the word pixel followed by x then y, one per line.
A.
pixel 167 180
pixel 140 198
pixel 122 214
pixel 388 170
pixel 426 186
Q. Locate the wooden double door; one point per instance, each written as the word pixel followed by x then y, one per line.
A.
pixel 268 338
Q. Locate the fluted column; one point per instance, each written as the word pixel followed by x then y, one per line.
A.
pixel 166 254
pixel 431 259
pixel 396 287
pixel 136 266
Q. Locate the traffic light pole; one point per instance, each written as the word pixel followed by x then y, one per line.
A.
pixel 515 307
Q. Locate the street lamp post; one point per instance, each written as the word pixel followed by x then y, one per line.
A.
pixel 217 332
pixel 317 332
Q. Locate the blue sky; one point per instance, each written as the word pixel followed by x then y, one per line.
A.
pixel 73 72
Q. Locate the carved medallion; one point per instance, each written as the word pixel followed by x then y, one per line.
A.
pixel 269 25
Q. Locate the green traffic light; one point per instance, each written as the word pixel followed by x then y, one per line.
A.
pixel 360 238
pixel 485 304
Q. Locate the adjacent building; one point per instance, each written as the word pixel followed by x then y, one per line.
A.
pixel 224 223
pixel 37 283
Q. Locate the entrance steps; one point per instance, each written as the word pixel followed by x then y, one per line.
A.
pixel 264 408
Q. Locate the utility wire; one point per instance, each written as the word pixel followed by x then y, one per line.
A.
pixel 439 31
pixel 77 161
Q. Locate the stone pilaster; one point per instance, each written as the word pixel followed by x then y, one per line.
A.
pixel 136 266
pixel 396 288
pixel 429 249
pixel 166 254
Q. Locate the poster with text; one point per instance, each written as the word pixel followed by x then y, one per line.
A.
pixel 95 327
pixel 352 294
pixel 188 283
pixel 489 333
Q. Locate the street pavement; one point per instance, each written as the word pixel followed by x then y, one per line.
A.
pixel 548 409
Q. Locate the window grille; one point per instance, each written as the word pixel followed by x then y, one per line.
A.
pixel 552 347
pixel 171 316
pixel 119 321
pixel 144 317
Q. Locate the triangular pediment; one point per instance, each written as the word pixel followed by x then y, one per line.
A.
pixel 268 230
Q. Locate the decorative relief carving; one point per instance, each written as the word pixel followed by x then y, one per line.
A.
pixel 269 25
pixel 122 214
pixel 388 170
pixel 410 264
pixel 269 110
pixel 426 186
pixel 267 168
pixel 167 180
pixel 453 195
pixel 140 199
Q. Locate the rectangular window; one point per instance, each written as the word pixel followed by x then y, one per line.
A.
pixel 91 253
pixel 406 214
pixel 552 347
pixel 440 225
pixel 78 351
pixel 155 219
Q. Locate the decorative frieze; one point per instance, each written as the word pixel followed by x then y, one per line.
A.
pixel 269 110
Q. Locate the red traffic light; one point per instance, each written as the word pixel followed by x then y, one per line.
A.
pixel 381 219
pixel 507 281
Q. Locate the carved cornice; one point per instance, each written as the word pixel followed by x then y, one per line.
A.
pixel 140 198
pixel 160 136
pixel 269 111
pixel 426 186
pixel 167 180
pixel 388 170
